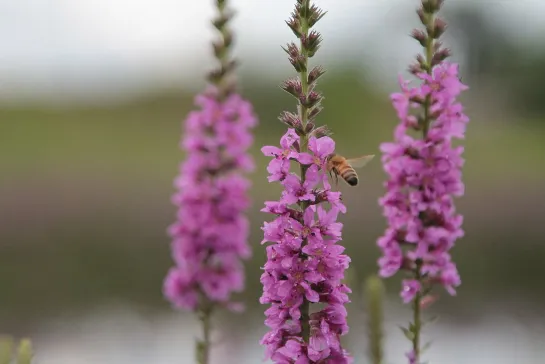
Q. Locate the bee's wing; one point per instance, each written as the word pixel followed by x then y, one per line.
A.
pixel 361 161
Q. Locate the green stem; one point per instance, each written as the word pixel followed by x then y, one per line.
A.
pixel 427 102
pixel 417 320
pixel 223 57
pixel 429 56
pixel 426 126
pixel 303 147
pixel 304 73
pixel 203 346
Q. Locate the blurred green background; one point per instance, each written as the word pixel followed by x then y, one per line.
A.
pixel 84 206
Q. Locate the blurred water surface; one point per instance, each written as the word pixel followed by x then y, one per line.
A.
pixel 112 335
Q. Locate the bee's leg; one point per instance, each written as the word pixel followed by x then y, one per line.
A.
pixel 336 181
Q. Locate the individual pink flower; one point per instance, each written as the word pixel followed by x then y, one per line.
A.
pixel 411 356
pixel 409 289
pixel 321 149
pixel 279 167
pixel 297 190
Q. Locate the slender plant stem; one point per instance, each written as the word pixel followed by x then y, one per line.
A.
pixel 304 71
pixel 303 114
pixel 374 293
pixel 305 306
pixel 203 346
pixel 429 56
pixel 417 319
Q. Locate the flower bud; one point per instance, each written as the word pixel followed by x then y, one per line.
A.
pixel 439 27
pixel 420 36
pixel 415 68
pixel 311 43
pixel 422 16
pixel 290 119
pixel 293 86
pixel 292 50
pixel 314 15
pixel 321 131
pixel 312 99
pixel 220 22
pixel 314 112
pixel 440 56
pixel 295 26
pixel 314 74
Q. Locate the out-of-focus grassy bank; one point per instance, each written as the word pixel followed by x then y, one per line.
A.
pixel 84 200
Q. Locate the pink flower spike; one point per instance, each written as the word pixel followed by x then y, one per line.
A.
pixel 209 238
pixel 424 175
pixel 302 277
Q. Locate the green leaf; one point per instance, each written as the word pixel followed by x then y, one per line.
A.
pixel 431 320
pixel 426 346
pixel 408 334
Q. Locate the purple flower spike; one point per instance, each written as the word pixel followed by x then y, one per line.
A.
pixel 305 264
pixel 210 235
pixel 424 176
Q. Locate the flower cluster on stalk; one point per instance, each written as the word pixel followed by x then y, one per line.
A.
pixel 211 231
pixel 305 265
pixel 424 174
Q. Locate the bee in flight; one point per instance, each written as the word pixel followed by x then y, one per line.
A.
pixel 341 166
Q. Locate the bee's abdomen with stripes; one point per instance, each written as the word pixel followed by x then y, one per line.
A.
pixel 349 175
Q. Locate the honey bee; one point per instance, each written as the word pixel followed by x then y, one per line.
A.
pixel 341 166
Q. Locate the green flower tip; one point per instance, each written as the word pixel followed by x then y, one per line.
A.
pixel 24 352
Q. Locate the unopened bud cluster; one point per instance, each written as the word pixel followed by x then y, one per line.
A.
pixel 304 17
pixel 434 27
pixel 222 77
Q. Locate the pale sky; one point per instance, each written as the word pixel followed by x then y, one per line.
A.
pixel 92 48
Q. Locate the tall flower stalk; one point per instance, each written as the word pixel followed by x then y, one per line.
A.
pixel 374 294
pixel 424 170
pixel 211 232
pixel 305 265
